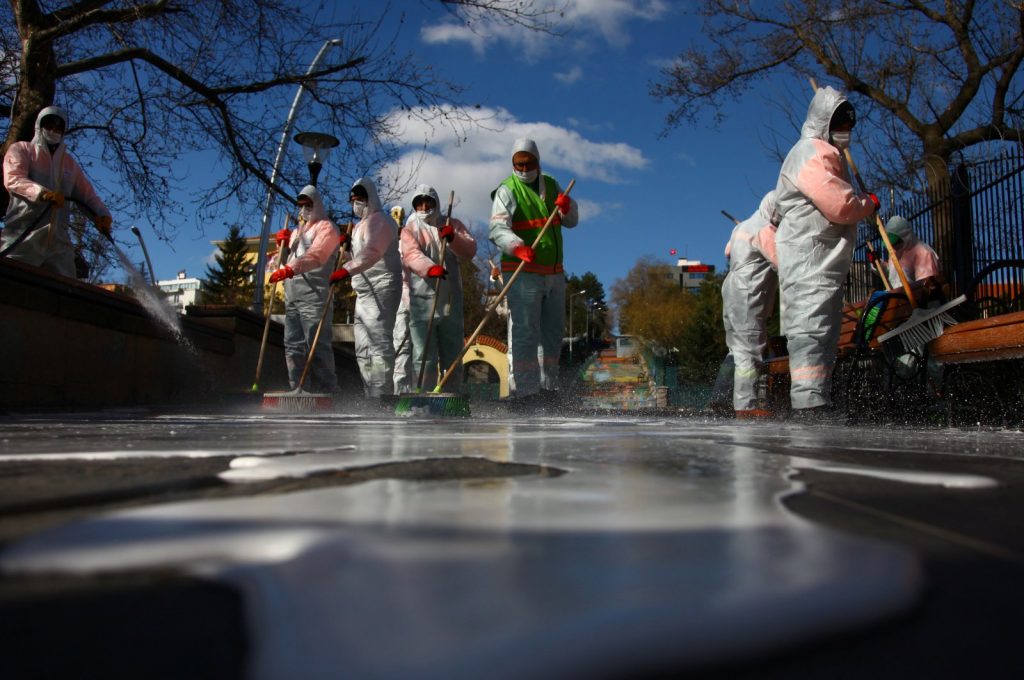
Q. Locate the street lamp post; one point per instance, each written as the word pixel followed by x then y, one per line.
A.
pixel 572 339
pixel 316 147
pixel 268 210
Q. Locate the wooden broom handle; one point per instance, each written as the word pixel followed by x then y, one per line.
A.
pixel 501 295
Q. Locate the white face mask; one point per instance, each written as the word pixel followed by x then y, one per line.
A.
pixel 52 137
pixel 426 215
pixel 359 208
pixel 305 213
pixel 527 176
pixel 841 140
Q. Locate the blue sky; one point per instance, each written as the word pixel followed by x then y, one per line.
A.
pixel 584 98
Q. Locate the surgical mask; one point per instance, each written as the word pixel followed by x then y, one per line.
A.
pixel 359 208
pixel 841 140
pixel 426 215
pixel 305 213
pixel 527 176
pixel 52 137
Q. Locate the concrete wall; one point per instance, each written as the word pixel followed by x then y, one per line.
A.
pixel 70 345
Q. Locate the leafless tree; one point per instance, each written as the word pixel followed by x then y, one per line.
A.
pixel 930 78
pixel 149 83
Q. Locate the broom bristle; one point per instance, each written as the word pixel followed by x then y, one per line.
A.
pixel 297 402
pixel 441 405
pixel 923 326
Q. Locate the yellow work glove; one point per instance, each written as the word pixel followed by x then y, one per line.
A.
pixel 54 197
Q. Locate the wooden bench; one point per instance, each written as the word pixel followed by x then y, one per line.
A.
pixel 997 338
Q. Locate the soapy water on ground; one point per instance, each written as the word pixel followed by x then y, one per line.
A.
pixel 663 542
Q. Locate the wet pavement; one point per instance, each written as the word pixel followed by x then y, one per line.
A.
pixel 490 546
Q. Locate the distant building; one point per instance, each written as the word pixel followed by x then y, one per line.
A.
pixel 692 273
pixel 181 291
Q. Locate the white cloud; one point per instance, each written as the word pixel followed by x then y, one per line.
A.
pixel 581 19
pixel 474 164
pixel 570 76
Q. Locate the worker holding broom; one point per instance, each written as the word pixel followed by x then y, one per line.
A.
pixel 376 272
pixel 312 251
pixel 748 297
pixel 435 287
pixel 818 212
pixel 39 175
pixel 536 300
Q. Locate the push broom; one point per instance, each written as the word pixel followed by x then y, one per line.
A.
pixel 924 325
pixel 282 257
pixel 438 403
pixel 297 400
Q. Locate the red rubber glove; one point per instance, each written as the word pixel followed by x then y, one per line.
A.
pixel 563 203
pixel 283 237
pixel 874 199
pixel 447 232
pixel 281 274
pixel 340 275
pixel 437 272
pixel 872 257
pixel 55 197
pixel 524 253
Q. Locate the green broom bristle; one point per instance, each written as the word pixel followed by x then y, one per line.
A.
pixel 433 404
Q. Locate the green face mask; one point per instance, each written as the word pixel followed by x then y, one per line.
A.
pixel 894 239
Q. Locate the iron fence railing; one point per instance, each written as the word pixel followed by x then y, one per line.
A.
pixel 974 222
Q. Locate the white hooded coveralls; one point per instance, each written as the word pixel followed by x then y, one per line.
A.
pixel 536 302
pixel 421 250
pixel 748 296
pixel 818 212
pixel 313 250
pixel 29 170
pixel 376 270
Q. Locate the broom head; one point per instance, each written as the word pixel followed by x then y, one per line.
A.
pixel 923 326
pixel 297 401
pixel 433 405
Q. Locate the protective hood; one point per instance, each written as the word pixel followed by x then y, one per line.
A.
pixel 427 190
pixel 527 145
pixel 899 226
pixel 819 114
pixel 49 111
pixel 372 199
pixel 317 212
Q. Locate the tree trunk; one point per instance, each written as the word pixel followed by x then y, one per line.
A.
pixel 936 166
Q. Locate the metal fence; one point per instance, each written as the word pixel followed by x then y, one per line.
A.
pixel 975 222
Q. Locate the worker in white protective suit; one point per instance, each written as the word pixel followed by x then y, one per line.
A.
pixel 312 253
pixel 404 372
pixel 918 259
pixel 536 299
pixel 748 297
pixel 421 254
pixel 376 271
pixel 40 175
pixel 818 212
